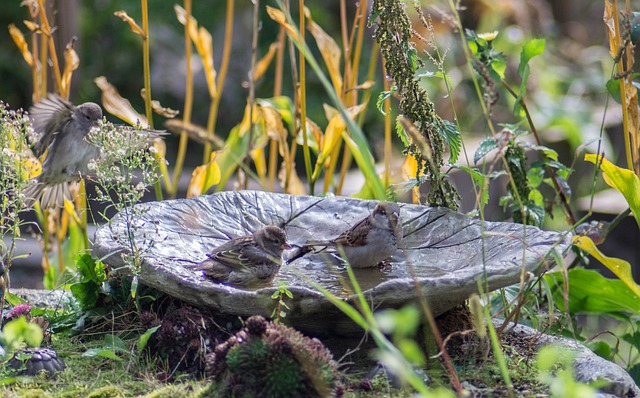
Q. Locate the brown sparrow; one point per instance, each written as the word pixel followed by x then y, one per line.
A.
pixel 372 240
pixel 62 129
pixel 247 260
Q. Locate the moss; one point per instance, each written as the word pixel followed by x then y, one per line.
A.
pixel 106 392
pixel 270 360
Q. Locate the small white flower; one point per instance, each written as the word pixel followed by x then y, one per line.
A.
pixel 140 186
pixel 92 165
pixel 153 149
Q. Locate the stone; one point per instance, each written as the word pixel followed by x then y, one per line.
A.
pixel 446 251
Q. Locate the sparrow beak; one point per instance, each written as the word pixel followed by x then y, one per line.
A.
pixel 286 246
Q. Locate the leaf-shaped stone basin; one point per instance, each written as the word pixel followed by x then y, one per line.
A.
pixel 447 251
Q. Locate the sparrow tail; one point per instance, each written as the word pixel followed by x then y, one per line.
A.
pixel 50 196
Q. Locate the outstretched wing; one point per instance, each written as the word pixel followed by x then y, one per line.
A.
pixel 48 119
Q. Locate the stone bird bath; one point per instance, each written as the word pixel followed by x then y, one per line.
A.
pixel 447 251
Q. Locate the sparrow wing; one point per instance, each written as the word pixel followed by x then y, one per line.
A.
pixel 356 236
pixel 49 117
pixel 234 253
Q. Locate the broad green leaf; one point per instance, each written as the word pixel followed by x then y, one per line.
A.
pixel 22 330
pixel 144 338
pixel 486 146
pixel 623 180
pixel 531 49
pixel 619 267
pixel 590 292
pixel 499 66
pixel 101 352
pixel 115 343
pixel 449 131
pixel 86 293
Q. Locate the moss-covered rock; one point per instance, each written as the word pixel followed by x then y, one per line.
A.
pixel 266 359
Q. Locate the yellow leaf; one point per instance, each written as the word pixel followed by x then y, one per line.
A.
pixel 18 38
pixel 158 109
pixel 204 177
pixel 333 131
pixel 273 124
pixel 409 168
pixel 195 132
pixel 611 30
pixel 620 268
pixel 204 46
pixel 364 86
pixel 118 106
pixel 263 64
pixel 132 24
pixel 280 18
pixel 203 41
pixel 623 180
pixel 71 63
pixel 32 26
pixel 261 165
pixel 329 49
pixel 294 186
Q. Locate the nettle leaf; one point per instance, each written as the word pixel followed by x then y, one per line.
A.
pixel 449 131
pixel 486 146
pixel 402 133
pixel 382 97
pixel 438 74
pixel 412 58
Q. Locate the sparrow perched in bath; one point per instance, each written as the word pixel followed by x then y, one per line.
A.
pixel 372 240
pixel 62 129
pixel 247 260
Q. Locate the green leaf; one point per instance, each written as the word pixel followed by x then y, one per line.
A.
pixel 144 338
pixel 486 146
pixel 101 352
pixel 412 58
pixel 20 329
pixel 437 74
pixel 449 131
pixel 86 293
pixel 613 88
pixel 402 133
pixel 531 49
pixel 13 299
pixel 115 343
pixel 590 292
pixel 499 66
pixel 382 97
pixel 623 180
pixel 480 180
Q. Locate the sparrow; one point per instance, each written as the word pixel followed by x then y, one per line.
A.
pixel 62 129
pixel 371 241
pixel 247 260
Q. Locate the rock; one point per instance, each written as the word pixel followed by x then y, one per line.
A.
pixel 447 251
pixel 587 365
